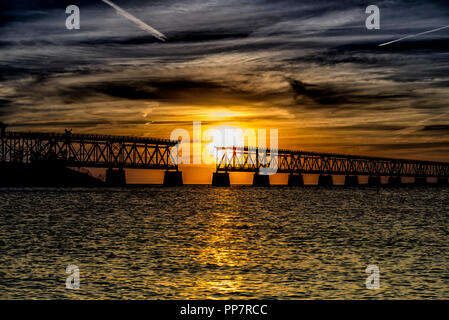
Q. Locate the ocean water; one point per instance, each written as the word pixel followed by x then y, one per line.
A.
pixel 199 242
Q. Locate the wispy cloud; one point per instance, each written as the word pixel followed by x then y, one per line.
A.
pixel 137 21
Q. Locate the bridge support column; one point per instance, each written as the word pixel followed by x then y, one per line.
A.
pixel 115 178
pixel 420 181
pixel 260 180
pixel 295 180
pixel 221 179
pixel 325 181
pixel 442 182
pixel 374 181
pixel 351 181
pixel 394 181
pixel 173 178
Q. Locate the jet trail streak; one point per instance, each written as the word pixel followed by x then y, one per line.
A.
pixel 142 25
pixel 412 36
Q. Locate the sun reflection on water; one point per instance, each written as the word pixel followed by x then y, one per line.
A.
pixel 222 245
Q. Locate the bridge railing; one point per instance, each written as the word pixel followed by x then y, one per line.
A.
pixel 85 137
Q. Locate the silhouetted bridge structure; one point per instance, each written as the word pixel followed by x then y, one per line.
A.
pixel 297 163
pixel 117 153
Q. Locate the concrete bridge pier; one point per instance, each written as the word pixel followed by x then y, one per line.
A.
pixel 325 181
pixel 221 179
pixel 394 181
pixel 351 181
pixel 115 178
pixel 173 179
pixel 420 181
pixel 295 180
pixel 374 181
pixel 260 180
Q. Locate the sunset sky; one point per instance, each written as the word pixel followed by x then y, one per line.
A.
pixel 308 68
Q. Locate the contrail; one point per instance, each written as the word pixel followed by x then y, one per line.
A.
pixel 413 35
pixel 142 25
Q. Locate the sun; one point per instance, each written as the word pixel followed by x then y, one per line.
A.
pixel 226 136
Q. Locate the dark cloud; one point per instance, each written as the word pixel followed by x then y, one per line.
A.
pixel 76 124
pixel 156 89
pixel 437 128
pixel 320 94
pixel 329 95
pixel 408 146
pixel 4 106
pixel 4 102
pixel 374 127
